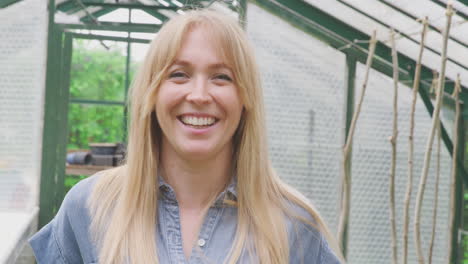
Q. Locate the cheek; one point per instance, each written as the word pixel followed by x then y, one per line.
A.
pixel 235 105
pixel 230 101
pixel 167 99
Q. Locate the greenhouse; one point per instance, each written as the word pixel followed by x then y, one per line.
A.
pixel 364 105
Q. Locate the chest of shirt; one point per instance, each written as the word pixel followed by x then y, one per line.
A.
pixel 215 239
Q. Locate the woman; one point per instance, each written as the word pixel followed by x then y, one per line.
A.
pixel 197 186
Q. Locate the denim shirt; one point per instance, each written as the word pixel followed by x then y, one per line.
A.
pixel 66 239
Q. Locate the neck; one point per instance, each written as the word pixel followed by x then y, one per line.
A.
pixel 196 182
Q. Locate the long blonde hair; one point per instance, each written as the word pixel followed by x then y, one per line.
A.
pixel 124 200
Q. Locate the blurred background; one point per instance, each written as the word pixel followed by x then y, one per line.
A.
pixel 66 67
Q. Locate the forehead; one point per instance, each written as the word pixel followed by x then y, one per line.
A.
pixel 201 44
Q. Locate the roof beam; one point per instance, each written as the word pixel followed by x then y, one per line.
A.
pixel 111 38
pixel 432 27
pixel 458 12
pixel 116 26
pixel 5 3
pixel 365 13
pixel 133 6
pixel 101 12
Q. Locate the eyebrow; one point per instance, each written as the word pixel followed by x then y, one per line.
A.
pixel 212 66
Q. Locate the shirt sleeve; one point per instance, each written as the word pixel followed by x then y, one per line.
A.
pixel 326 255
pixel 307 245
pixel 65 240
pixel 45 246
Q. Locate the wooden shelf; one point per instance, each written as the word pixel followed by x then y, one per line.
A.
pixel 84 169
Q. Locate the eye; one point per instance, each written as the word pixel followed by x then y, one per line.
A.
pixel 223 77
pixel 178 75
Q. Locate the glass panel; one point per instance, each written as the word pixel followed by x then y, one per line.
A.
pixel 93 123
pixel 138 53
pixel 140 35
pixel 23 46
pixel 303 82
pixel 140 16
pixel 369 233
pixel 98 70
pixel 118 15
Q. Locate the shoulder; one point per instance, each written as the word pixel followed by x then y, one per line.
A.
pixel 301 224
pixel 66 238
pixel 307 243
pixel 76 199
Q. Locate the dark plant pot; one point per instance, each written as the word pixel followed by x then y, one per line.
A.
pixel 103 148
pixel 107 160
pixel 81 158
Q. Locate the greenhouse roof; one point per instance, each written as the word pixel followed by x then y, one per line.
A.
pixel 90 11
pixel 404 17
pixel 363 15
pixel 359 16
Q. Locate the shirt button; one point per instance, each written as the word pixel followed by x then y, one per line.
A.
pixel 201 242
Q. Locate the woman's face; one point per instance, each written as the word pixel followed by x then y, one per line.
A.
pixel 198 105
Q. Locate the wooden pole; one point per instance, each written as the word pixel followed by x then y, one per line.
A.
pixel 409 184
pixel 393 141
pixel 430 140
pixel 346 178
pixel 436 197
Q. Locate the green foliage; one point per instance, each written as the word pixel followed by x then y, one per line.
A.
pixel 96 74
pixel 91 123
pixel 71 180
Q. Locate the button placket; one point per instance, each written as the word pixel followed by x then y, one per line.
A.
pixel 201 242
pixel 206 231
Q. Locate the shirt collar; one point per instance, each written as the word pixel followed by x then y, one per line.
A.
pixel 167 191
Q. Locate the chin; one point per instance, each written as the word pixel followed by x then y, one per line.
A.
pixel 199 155
pixel 198 152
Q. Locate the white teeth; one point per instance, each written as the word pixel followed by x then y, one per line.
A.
pixel 198 121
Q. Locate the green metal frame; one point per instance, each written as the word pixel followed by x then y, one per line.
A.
pixel 457 251
pixel 5 3
pixel 350 76
pixel 114 26
pixel 90 17
pixel 127 81
pixel 112 38
pixel 133 6
pixel 55 123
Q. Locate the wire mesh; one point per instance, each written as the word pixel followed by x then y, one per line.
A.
pixel 22 75
pixel 369 231
pixel 304 94
pixel 303 82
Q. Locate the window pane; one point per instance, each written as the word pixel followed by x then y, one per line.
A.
pixel 98 70
pixel 94 123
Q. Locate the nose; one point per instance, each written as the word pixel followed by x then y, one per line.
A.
pixel 199 92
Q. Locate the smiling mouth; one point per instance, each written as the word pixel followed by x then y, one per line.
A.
pixel 197 122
